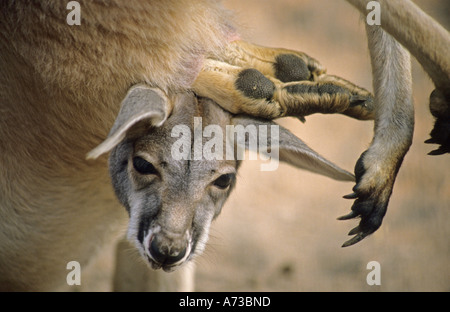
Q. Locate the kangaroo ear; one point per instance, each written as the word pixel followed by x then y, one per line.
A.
pixel 142 103
pixel 290 149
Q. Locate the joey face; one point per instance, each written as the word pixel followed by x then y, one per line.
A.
pixel 171 192
pixel 171 202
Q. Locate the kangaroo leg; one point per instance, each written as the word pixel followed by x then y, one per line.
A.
pixel 429 43
pixel 377 167
pixel 271 83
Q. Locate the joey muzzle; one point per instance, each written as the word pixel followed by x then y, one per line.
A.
pixel 164 253
pixel 167 250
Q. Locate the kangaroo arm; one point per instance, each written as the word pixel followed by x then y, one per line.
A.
pixel 426 39
pixel 377 167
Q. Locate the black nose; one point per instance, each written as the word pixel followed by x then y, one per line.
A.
pixel 165 255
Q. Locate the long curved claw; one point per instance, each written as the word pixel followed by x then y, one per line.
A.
pixel 440 151
pixel 431 141
pixel 354 240
pixel 351 196
pixel 348 216
pixel 354 231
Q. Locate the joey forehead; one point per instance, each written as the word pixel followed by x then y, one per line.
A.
pixel 158 141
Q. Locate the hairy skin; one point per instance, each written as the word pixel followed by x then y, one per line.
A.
pixel 60 92
pixel 429 43
pixel 275 82
pixel 402 22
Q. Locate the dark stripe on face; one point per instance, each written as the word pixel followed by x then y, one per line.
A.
pixel 144 224
pixel 150 209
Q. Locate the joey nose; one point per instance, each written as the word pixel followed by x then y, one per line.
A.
pixel 165 255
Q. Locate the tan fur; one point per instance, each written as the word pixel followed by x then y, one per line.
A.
pixel 60 90
pixel 221 71
pixel 424 38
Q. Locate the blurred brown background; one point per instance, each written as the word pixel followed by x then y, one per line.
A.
pixel 278 231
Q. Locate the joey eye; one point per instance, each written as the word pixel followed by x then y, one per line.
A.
pixel 143 167
pixel 224 181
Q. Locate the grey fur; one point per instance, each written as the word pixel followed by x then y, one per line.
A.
pixel 171 211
